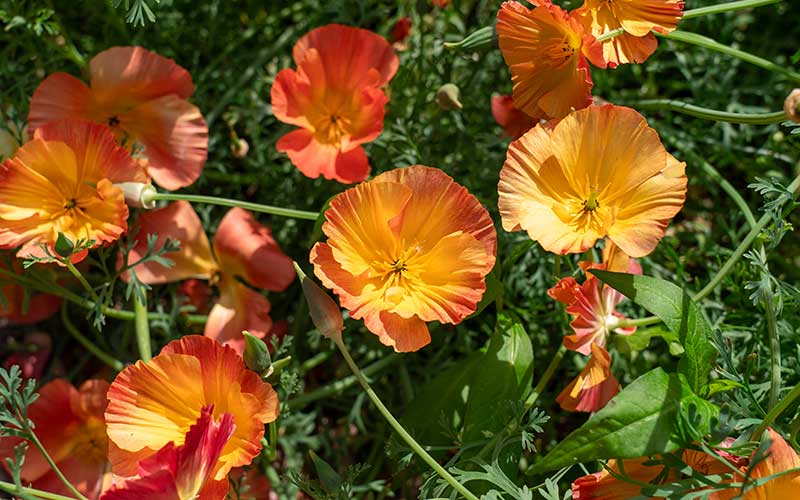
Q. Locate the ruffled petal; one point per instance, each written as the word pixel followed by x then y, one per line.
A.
pixel 238 308
pixel 59 96
pixel 314 159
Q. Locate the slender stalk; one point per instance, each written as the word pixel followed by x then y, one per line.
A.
pixel 341 384
pixel 647 321
pixel 608 35
pixel 32 437
pixel 399 429
pixel 273 441
pixel 114 363
pixel 45 495
pixel 710 114
pixel 79 276
pixel 708 43
pixel 142 324
pixel 228 202
pixel 545 378
pixel 776 411
pixel 727 7
pixel 774 350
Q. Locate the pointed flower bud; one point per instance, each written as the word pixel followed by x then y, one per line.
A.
pixel 325 314
pixel 447 97
pixel 138 194
pixel 256 355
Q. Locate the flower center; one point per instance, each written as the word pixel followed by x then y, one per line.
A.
pixel 332 128
pixel 562 52
pixel 70 204
pixel 92 444
pixel 113 121
pixel 588 215
pixel 591 203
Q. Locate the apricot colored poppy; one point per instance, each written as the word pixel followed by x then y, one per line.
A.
pixel 142 96
pixel 638 18
pixel 182 472
pixel 335 97
pixel 242 247
pixel 514 121
pixel 156 403
pixel 546 50
pixel 408 247
pixel 594 387
pixel 69 423
pixel 605 485
pixel 591 304
pixel 62 181
pixel 600 172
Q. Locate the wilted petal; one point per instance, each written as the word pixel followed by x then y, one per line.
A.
pixel 594 387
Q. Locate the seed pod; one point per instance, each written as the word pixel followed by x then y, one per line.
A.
pixel 447 97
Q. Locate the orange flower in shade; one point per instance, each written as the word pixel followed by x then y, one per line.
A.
pixel 242 247
pixel 335 98
pixel 248 483
pixel 156 403
pixel 514 122
pixel 62 181
pixel 546 50
pixel 638 18
pixel 182 472
pixel 604 485
pixel 142 97
pixel 594 387
pixel 591 304
pixel 69 423
pixel 601 171
pixel 408 247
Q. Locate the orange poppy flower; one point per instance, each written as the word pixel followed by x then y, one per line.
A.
pixel 242 247
pixel 594 387
pixel 156 403
pixel 514 122
pixel 142 97
pixel 601 171
pixel 69 423
pixel 408 247
pixel 62 181
pixel 637 17
pixel 591 304
pixel 604 485
pixel 182 472
pixel 546 50
pixel 335 98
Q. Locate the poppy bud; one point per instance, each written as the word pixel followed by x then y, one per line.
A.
pixel 239 148
pixel 138 194
pixel 401 30
pixel 791 105
pixel 256 355
pixel 325 314
pixel 447 97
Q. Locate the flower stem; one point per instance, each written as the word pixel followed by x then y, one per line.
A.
pixel 79 276
pixel 776 411
pixel 710 114
pixel 708 43
pixel 45 495
pixel 774 350
pixel 32 437
pixel 398 428
pixel 647 321
pixel 114 363
pixel 142 327
pixel 545 378
pixel 228 202
pixel 727 7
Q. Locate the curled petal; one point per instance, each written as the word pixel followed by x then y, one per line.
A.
pixel 594 387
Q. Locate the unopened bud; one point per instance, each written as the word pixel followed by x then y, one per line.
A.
pixel 138 194
pixel 325 314
pixel 256 355
pixel 791 105
pixel 239 148
pixel 447 97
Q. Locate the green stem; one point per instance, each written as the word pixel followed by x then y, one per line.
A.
pixel 647 321
pixel 710 114
pixel 727 7
pixel 545 378
pixel 79 276
pixel 342 384
pixel 774 350
pixel 708 43
pixel 45 495
pixel 731 191
pixel 398 428
pixel 273 441
pixel 315 361
pixel 142 327
pixel 114 363
pixel 227 202
pixel 608 35
pixel 775 412
pixel 32 437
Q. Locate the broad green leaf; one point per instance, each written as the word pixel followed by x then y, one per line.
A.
pixel 678 312
pixel 640 339
pixel 504 378
pixel 643 419
pixel 328 477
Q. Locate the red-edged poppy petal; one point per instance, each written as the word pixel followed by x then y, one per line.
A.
pixel 179 222
pixel 175 139
pixel 239 308
pixel 59 96
pixel 355 50
pixel 246 248
pixel 315 159
pixel 136 74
